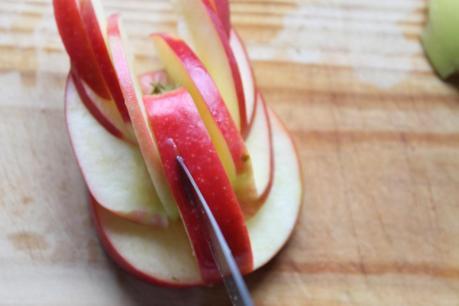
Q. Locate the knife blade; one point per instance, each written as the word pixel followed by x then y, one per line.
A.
pixel 221 253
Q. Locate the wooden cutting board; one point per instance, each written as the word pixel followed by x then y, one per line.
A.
pixel 377 133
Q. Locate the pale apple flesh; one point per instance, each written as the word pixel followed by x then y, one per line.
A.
pixel 211 44
pixel 179 129
pixel 133 98
pixel 164 256
pixel 113 169
pixel 184 68
pixel 260 145
pixel 247 75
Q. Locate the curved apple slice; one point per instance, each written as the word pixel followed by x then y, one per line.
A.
pixel 163 257
pixel 113 169
pixel 133 98
pixel 76 42
pixel 95 23
pixel 185 68
pixel 260 145
pixel 211 44
pixel 247 75
pixel 179 129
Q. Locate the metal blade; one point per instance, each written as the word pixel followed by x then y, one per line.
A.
pixel 229 271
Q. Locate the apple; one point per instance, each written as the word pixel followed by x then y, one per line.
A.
pixel 164 256
pixel 222 8
pixel 76 42
pixel 95 23
pixel 247 75
pixel 211 44
pixel 133 98
pixel 113 169
pixel 78 24
pixel 179 129
pixel 260 145
pixel 184 68
pixel 154 82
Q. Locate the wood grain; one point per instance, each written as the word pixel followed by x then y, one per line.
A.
pixel 377 133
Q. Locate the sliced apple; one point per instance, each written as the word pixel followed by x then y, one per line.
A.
pixel 77 44
pixel 260 145
pixel 179 129
pixel 133 98
pixel 164 257
pixel 247 75
pixel 222 8
pixel 211 43
pixel 114 170
pixel 95 23
pixel 185 68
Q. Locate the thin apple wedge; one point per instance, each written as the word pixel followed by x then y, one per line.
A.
pixel 260 145
pixel 248 78
pixel 211 44
pixel 164 256
pixel 179 129
pixel 132 94
pixel 95 23
pixel 76 42
pixel 114 170
pixel 184 68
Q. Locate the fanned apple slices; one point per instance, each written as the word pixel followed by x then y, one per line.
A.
pixel 126 132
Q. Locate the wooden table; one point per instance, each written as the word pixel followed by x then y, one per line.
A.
pixel 377 132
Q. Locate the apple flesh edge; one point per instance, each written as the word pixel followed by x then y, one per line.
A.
pixel 161 257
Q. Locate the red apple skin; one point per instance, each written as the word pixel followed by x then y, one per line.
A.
pixel 95 112
pixel 76 42
pixel 179 129
pixel 224 38
pixel 222 8
pixel 102 55
pixel 211 96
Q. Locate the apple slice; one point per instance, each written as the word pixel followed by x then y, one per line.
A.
pixel 133 99
pixel 247 75
pixel 95 23
pixel 211 44
pixel 222 8
pixel 179 129
pixel 185 68
pixel 260 145
pixel 164 257
pixel 76 42
pixel 112 169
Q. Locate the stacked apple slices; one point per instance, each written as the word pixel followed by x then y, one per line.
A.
pixel 126 131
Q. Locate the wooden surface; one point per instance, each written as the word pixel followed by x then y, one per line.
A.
pixel 377 132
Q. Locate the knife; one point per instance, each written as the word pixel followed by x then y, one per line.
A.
pixel 221 253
